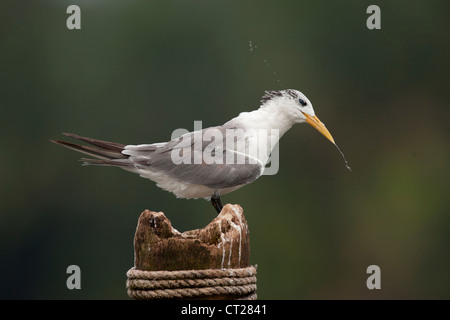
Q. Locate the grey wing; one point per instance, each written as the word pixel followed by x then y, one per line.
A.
pixel 204 157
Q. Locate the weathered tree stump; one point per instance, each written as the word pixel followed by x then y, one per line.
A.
pixel 224 243
pixel 222 248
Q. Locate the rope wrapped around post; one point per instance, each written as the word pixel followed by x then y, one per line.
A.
pixel 208 263
pixel 193 284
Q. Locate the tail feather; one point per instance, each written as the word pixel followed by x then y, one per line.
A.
pixel 113 146
pixel 105 152
pixel 124 163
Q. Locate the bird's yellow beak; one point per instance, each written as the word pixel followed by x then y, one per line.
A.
pixel 316 123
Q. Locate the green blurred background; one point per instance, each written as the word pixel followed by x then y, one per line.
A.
pixel 137 70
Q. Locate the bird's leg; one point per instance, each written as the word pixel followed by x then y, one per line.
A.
pixel 215 200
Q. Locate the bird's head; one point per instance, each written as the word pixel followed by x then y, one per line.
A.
pixel 296 106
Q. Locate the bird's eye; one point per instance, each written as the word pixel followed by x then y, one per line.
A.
pixel 302 102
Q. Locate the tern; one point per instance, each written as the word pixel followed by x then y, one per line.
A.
pixel 180 165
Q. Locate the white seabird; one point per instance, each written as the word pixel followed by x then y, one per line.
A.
pixel 174 165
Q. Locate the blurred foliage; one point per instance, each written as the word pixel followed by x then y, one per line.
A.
pixel 137 70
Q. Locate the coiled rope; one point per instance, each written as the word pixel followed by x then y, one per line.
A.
pixel 192 284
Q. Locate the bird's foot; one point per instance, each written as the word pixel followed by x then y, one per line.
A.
pixel 215 200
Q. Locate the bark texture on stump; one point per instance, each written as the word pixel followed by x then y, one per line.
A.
pixel 224 243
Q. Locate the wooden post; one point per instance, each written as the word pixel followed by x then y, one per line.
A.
pixel 221 248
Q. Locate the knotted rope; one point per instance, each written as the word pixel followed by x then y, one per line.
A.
pixel 192 284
